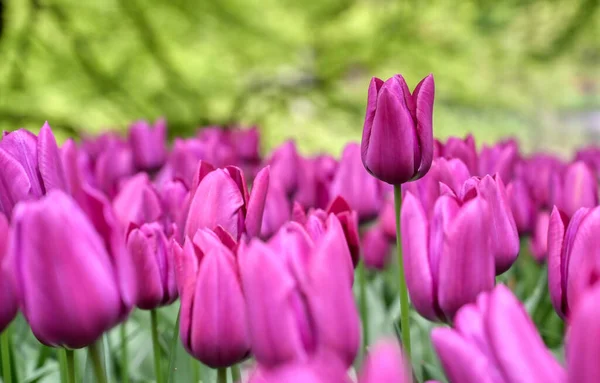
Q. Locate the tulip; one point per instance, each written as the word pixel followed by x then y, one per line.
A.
pixel 148 144
pixel 494 341
pixel 173 195
pixel 30 166
pixel 246 143
pixel 310 285
pixel 521 205
pixel 112 166
pixel 314 181
pixel 538 242
pixel 363 192
pixel 183 161
pixel 397 141
pixel 8 298
pixel 582 340
pixel 277 211
pixel 576 188
pixel 221 199
pixel 500 158
pixel 322 370
pixel 462 149
pixel 505 237
pixel 78 287
pixel 591 156
pixel 155 269
pixel 449 258
pixel 573 256
pixel 137 202
pixel 385 363
pixel 537 173
pixel 285 164
pixel 376 248
pixel 213 325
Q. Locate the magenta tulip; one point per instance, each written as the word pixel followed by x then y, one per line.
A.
pixel 521 205
pixel 582 346
pixel 137 202
pixel 462 149
pixel 148 144
pixel 278 210
pixel 385 363
pixel 397 141
pixel 500 158
pixel 538 242
pixel 376 248
pixel 576 188
pixel 8 297
pixel 285 164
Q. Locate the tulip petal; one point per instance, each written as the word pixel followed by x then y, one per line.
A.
pixel 582 342
pixel 373 92
pixel 424 95
pixel 14 183
pixel 22 146
pixel 256 203
pixel 556 236
pixel 144 251
pixel 385 363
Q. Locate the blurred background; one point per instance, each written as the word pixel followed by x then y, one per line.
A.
pixel 526 68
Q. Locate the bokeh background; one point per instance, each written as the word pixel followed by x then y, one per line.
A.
pixel 526 68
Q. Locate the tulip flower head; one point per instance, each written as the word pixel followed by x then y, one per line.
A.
pixel 148 144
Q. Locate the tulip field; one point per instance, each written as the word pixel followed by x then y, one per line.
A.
pixel 135 258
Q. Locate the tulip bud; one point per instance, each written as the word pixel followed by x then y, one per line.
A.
pixel 397 141
pixel 538 242
pixel 463 150
pixel 576 188
pixel 112 166
pixel 448 259
pixel 148 144
pixel 285 164
pixel 521 205
pixel 376 248
pixel 573 257
pixel 277 212
pixel 137 202
pixel 500 158
pixel 75 289
pixel 385 363
pixel 154 266
pixel 213 322
pixel 363 192
pixel 537 173
pixel 591 156
pixel 495 341
pixel 8 298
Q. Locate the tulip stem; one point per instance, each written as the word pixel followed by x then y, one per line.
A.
pixel 6 371
pixel 404 305
pixel 222 375
pixel 96 357
pixel 70 365
pixel 172 348
pixel 156 346
pixel 236 376
pixel 124 354
pixel 364 315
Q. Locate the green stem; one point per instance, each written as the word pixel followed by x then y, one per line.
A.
pixel 172 349
pixel 236 376
pixel 404 305
pixel 195 369
pixel 96 357
pixel 124 354
pixel 70 365
pixel 62 363
pixel 364 315
pixel 156 346
pixel 6 371
pixel 222 375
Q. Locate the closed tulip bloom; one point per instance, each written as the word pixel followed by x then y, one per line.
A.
pixel 278 210
pixel 576 188
pixel 221 198
pixel 573 256
pixel 537 172
pixel 73 284
pixel 464 150
pixel 213 325
pixel 246 142
pixel 494 341
pixel 500 158
pixel 154 266
pixel 376 248
pixel 285 163
pixel 385 363
pixel 448 258
pixel 8 297
pixel 113 166
pixel 582 345
pixel 31 167
pixel 538 242
pixel 318 370
pixel 148 144
pixel 137 202
pixel 521 205
pixel 591 156
pixel 397 141
pixel 315 176
pixel 363 192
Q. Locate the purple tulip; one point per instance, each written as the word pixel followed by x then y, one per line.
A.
pixel 317 370
pixel 278 210
pixel 582 339
pixel 310 285
pixel 494 341
pixel 576 188
pixel 30 166
pixel 573 256
pixel 154 266
pixel 221 199
pixel 538 242
pixel 137 202
pixel 213 322
pixel 521 205
pixel 148 144
pixel 285 164
pixel 8 298
pixel 505 237
pixel 537 173
pixel 376 248
pixel 591 156
pixel 462 149
pixel 112 166
pixel 79 286
pixel 246 143
pixel 385 363
pixel 500 158
pixel 397 141
pixel 448 258
pixel 315 176
pixel 362 191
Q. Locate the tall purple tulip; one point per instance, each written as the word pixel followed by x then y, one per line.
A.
pixel 576 188
pixel 397 141
pixel 8 297
pixel 78 287
pixel 449 257
pixel 385 363
pixel 494 341
pixel 363 192
pixel 213 325
pixel 148 144
pixel 573 256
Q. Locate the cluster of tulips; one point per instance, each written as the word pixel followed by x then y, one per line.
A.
pixel 261 252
